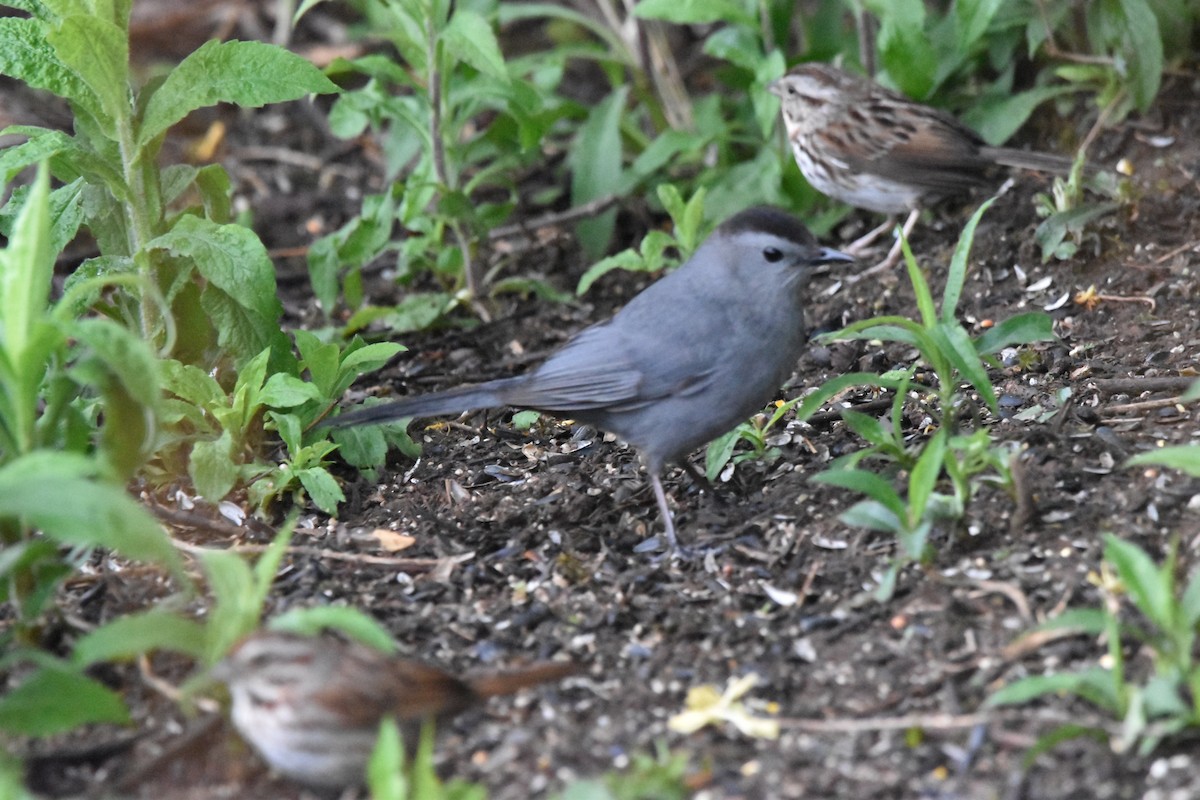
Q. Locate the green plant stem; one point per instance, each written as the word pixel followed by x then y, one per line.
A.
pixel 143 212
pixel 441 173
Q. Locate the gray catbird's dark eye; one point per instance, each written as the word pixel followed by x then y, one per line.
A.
pixel 772 254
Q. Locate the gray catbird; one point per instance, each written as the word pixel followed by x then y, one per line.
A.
pixel 683 362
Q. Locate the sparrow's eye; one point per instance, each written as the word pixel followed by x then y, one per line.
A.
pixel 772 254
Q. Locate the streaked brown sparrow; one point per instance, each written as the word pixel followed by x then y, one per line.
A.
pixel 311 706
pixel 872 148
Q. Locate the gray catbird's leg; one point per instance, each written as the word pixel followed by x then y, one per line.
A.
pixel 668 520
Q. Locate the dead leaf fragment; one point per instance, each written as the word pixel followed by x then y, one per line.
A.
pixel 391 541
pixel 706 705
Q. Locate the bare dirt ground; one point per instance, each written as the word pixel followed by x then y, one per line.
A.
pixel 537 528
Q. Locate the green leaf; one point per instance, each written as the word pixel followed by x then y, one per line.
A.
pixel 1185 458
pixel 997 118
pixel 212 468
pixel 955 345
pixel 813 401
pixel 924 476
pixel 248 74
pixel 718 453
pixel 867 427
pixel 125 356
pixel 905 50
pixel 56 492
pixel 424 779
pixel 956 276
pixel 873 516
pixel 362 447
pixel 230 256
pixel 1189 604
pixel 41 146
pixel 191 383
pixel 470 38
pixel 1150 589
pixel 596 169
pixel 98 52
pixel 694 12
pixel 1053 230
pixel 867 483
pixel 385 769
pixel 350 621
pixel 971 20
pixel 590 789
pixel 920 285
pixel 27 56
pixel 267 565
pixel 134 634
pixel 626 259
pixel 322 488
pixel 1091 621
pixel 524 420
pixel 239 592
pixel 212 181
pixel 26 270
pixel 1143 51
pixel 416 312
pixel 1027 328
pixel 1060 734
pixel 1035 686
pixel 287 391
pixel 240 298
pixel 371 357
pixel 54 700
pixel 237 607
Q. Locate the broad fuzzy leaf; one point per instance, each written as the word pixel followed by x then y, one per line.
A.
pixel 244 73
pixel 470 38
pixel 98 52
pixel 37 707
pixel 54 492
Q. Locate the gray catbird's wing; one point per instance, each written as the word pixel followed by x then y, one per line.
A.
pixel 615 366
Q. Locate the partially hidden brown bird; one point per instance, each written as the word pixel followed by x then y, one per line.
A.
pixel 311 706
pixel 872 148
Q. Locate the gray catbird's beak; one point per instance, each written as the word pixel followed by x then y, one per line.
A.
pixel 830 256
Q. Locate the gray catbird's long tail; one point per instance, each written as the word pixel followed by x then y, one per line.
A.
pixel 451 401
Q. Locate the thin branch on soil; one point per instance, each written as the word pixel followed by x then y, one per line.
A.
pixel 188 519
pixel 411 566
pixel 1090 298
pixel 555 218
pixel 1008 590
pixel 170 691
pixel 1166 257
pixel 1145 405
pixel 1024 510
pixel 281 155
pixel 806 587
pixel 935 722
pixel 1141 385
pixel 827 417
pixel 1036 640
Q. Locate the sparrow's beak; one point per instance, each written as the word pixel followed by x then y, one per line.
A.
pixel 776 87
